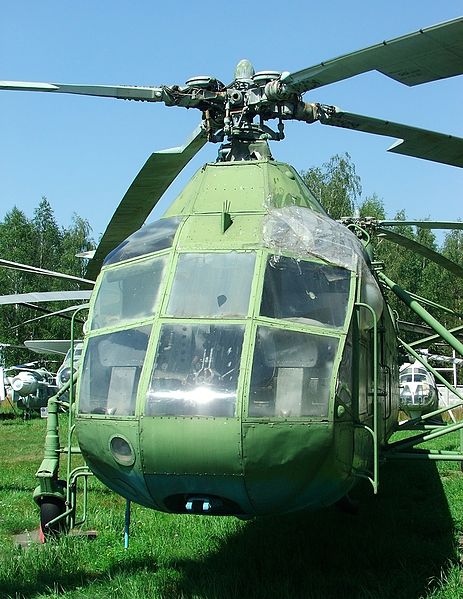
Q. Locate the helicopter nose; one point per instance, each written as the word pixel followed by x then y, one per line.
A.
pixel 194 465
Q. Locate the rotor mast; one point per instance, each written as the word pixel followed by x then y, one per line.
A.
pixel 235 115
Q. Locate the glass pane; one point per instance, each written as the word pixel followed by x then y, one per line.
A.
pixel 419 378
pixel 212 285
pixel 111 371
pixel 291 374
pixel 150 238
pixel 128 293
pixel 196 371
pixel 305 292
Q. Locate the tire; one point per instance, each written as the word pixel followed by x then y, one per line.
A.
pixel 50 508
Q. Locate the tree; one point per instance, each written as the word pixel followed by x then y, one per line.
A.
pixel 373 206
pixel 75 240
pixel 451 286
pixel 335 184
pixel 48 236
pixel 39 242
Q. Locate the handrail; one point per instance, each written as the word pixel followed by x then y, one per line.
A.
pixel 71 426
pixel 373 431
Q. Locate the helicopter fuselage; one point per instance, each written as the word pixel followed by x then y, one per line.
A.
pixel 229 366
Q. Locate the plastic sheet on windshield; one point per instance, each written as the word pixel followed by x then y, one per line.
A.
pixel 306 233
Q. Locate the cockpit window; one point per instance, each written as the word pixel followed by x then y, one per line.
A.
pixel 291 374
pixel 409 377
pixel 419 378
pixel 111 371
pixel 196 371
pixel 128 293
pixel 212 285
pixel 150 238
pixel 305 292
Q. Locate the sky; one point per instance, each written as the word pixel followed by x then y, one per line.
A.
pixel 82 153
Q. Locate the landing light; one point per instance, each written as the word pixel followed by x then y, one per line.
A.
pixel 202 505
pixel 122 451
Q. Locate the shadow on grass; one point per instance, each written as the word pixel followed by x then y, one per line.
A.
pixel 396 547
pixel 399 542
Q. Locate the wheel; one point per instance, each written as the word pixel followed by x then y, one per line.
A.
pixel 50 508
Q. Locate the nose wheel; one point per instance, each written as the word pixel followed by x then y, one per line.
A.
pixel 51 506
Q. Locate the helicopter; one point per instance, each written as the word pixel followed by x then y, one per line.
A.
pixel 418 390
pixel 240 355
pixel 29 386
pixel 26 386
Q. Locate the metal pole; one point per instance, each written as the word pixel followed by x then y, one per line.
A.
pixel 422 313
pixel 127 524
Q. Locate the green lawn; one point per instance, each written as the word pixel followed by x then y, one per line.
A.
pixel 404 543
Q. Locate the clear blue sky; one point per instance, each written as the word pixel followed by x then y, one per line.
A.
pixel 82 153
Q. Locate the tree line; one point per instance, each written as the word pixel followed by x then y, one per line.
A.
pixel 38 241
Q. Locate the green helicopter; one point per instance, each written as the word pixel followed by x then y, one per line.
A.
pixel 240 355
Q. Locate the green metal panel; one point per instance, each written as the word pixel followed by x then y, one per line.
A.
pixel 203 232
pixel 94 436
pixel 193 456
pixel 183 203
pixel 291 466
pixel 196 445
pixel 241 186
pixel 252 186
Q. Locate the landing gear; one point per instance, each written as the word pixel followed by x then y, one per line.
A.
pixel 51 508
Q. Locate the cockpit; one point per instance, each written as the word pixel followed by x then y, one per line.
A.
pixel 213 334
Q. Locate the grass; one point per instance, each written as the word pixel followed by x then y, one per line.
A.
pixel 404 543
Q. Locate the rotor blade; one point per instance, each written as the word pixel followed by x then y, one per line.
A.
pixel 29 366
pixel 413 327
pixel 42 271
pixel 419 143
pixel 149 185
pixel 44 296
pixel 423 224
pixel 426 55
pixel 456 331
pixel 49 346
pixel 60 313
pixel 7 345
pixel 421 249
pixel 123 92
pixel 441 358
